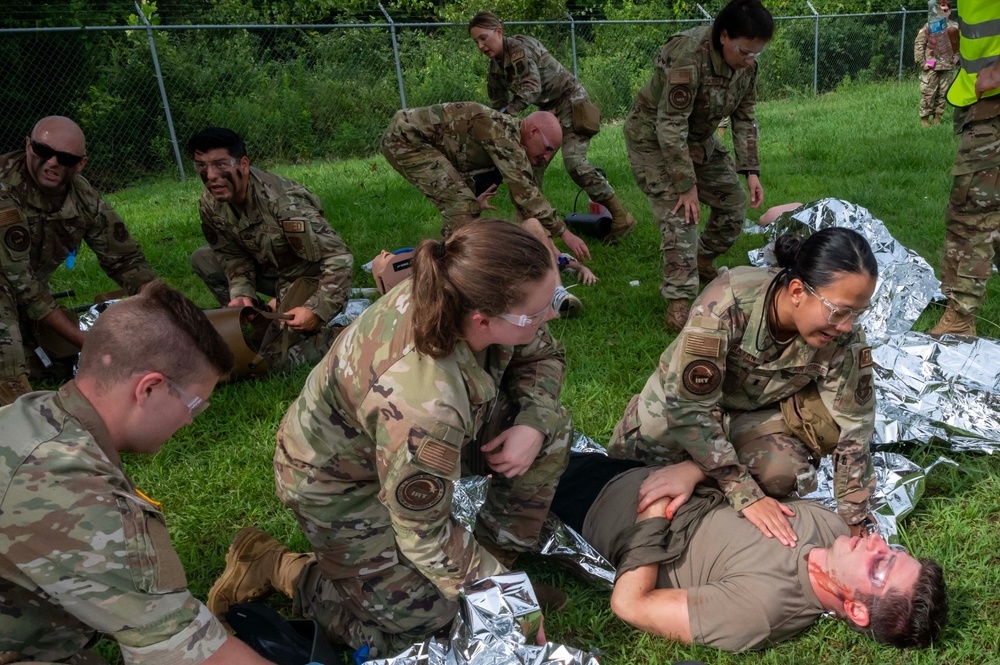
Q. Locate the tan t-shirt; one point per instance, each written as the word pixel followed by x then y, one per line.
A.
pixel 745 591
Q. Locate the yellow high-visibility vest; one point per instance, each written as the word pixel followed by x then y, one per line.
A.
pixel 979 27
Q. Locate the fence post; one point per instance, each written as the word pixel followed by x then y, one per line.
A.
pixel 902 39
pixel 163 90
pixel 572 41
pixel 395 53
pixel 815 50
pixel 702 10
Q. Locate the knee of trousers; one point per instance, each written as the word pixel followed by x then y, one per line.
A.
pixel 204 263
pixel 776 461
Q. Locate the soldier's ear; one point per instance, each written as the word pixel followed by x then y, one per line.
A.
pixel 79 167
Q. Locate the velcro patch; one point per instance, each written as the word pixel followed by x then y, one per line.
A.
pixel 17 238
pixel 864 391
pixel 681 76
pixel 702 345
pixel 294 226
pixel 209 232
pixel 9 216
pixel 517 55
pixel 438 456
pixel 701 377
pixel 865 357
pixel 120 232
pixel 421 491
pixel 680 97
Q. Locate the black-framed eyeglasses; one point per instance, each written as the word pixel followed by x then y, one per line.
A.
pixel 839 313
pixel 45 153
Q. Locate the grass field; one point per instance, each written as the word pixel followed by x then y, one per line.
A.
pixel 863 144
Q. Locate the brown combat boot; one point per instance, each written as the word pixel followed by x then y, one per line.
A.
pixel 13 387
pixel 953 323
pixel 706 271
pixel 925 122
pixel 256 566
pixel 937 119
pixel 622 222
pixel 677 314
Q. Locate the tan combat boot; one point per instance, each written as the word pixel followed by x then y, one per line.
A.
pixel 256 566
pixel 954 323
pixel 677 314
pixel 706 271
pixel 13 387
pixel 937 119
pixel 622 222
pixel 925 122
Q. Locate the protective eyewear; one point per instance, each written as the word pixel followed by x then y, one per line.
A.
pixel 45 153
pixel 218 165
pixel 838 313
pixel 879 572
pixel 524 321
pixel 747 54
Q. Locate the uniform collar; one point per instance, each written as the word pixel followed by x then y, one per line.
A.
pixel 482 383
pixel 77 405
pixel 719 65
pixel 794 354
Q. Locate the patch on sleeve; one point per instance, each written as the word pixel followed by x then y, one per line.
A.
pixel 702 345
pixel 421 491
pixel 516 56
pixel 864 391
pixel 865 357
pixel 210 235
pixel 16 238
pixel 680 97
pixel 294 226
pixel 120 232
pixel 679 76
pixel 438 456
pixel 701 377
pixel 9 216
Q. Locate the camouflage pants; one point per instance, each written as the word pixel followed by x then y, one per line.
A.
pixel 395 607
pixel 283 351
pixel 428 169
pixel 20 336
pixel 933 88
pixel 574 153
pixel 777 460
pixel 972 230
pixel 718 187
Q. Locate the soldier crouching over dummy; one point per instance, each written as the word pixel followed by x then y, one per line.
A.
pixel 451 373
pixel 268 234
pixel 771 373
pixel 46 210
pixel 83 553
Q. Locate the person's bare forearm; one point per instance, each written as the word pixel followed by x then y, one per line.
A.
pixel 63 326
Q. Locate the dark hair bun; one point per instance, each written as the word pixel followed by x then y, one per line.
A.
pixel 786 249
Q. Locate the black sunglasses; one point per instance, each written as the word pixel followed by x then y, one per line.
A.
pixel 45 153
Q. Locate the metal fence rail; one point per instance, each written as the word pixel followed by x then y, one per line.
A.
pixel 300 92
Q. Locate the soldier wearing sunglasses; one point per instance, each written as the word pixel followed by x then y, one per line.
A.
pixel 47 209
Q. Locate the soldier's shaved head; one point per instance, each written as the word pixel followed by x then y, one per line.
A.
pixel 541 136
pixel 55 152
pixel 60 133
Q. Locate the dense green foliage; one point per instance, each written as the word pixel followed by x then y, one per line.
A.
pixel 301 94
pixel 215 476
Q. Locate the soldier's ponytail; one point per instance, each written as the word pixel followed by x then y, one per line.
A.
pixel 483 267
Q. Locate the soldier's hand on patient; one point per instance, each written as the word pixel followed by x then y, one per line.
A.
pixel 771 517
pixel 673 484
pixel 484 198
pixel 303 319
pixel 689 201
pixel 756 191
pixel 241 301
pixel 514 450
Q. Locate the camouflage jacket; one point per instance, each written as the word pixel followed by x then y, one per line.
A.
pixel 283 231
pixel 725 359
pixel 525 74
pixel 81 552
pixel 475 138
pixel 691 91
pixel 376 437
pixel 922 51
pixel 49 230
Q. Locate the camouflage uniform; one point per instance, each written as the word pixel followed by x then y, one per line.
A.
pixel 441 148
pixel 672 146
pixel 367 456
pixel 81 552
pixel 280 237
pixel 38 234
pixel 934 82
pixel 717 389
pixel 528 74
pixel 972 218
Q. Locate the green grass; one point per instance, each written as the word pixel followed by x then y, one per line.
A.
pixel 863 144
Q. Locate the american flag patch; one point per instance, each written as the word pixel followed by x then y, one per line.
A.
pixel 702 345
pixel 9 216
pixel 438 456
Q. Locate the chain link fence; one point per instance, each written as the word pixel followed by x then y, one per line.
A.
pixel 302 92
